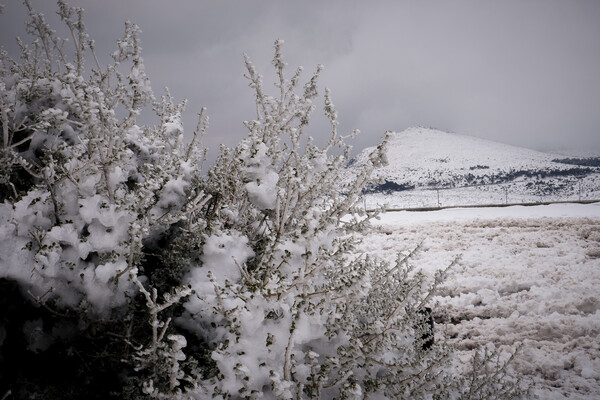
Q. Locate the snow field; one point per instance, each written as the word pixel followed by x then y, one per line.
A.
pixel 521 280
pixel 586 188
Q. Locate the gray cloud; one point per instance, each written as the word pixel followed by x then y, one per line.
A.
pixel 519 72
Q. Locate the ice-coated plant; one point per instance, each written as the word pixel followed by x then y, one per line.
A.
pixel 168 283
pixel 89 196
pixel 278 268
pixel 84 187
pixel 288 306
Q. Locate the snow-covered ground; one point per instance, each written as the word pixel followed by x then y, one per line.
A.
pixel 584 188
pixel 527 275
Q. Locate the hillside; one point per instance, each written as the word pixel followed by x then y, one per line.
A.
pixel 423 160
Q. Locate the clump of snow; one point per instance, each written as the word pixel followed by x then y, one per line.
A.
pixel 173 193
pixel 262 192
pixel 63 258
pixel 262 185
pixel 222 253
pixel 223 256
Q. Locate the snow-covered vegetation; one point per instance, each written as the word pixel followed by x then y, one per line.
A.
pixel 143 277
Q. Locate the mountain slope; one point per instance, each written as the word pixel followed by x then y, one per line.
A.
pixel 421 158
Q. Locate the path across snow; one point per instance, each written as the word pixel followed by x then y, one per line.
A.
pixel 568 210
pixel 527 275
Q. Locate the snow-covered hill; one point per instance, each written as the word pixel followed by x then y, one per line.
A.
pixel 472 170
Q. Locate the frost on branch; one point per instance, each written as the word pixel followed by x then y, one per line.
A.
pixel 85 188
pixel 91 201
pixel 161 358
pixel 241 283
pixel 304 315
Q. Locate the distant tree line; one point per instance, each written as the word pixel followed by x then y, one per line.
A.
pixel 584 162
pixel 470 179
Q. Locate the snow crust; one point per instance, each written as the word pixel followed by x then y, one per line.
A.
pixel 568 210
pixel 528 276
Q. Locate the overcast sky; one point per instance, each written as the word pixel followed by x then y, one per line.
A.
pixel 522 72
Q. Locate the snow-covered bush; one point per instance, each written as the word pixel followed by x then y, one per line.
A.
pixel 87 193
pixel 97 185
pixel 240 283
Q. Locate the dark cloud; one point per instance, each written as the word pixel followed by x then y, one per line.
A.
pixel 519 72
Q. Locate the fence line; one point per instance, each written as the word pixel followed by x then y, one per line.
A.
pixel 542 203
